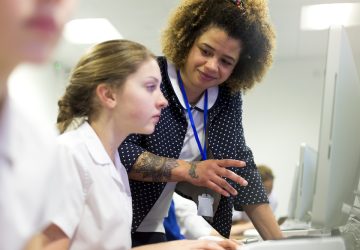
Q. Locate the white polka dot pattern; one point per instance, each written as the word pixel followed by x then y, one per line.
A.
pixel 226 141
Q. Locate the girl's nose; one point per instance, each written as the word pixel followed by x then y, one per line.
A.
pixel 162 102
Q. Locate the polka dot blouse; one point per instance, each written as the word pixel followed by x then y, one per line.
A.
pixel 226 141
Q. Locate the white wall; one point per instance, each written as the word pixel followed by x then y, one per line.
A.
pixel 282 112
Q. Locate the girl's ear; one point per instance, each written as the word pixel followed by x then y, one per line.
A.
pixel 106 95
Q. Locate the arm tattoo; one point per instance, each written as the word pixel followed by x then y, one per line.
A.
pixel 192 170
pixel 155 167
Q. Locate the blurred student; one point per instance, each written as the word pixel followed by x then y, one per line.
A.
pixel 31 177
pixel 171 225
pixel 114 90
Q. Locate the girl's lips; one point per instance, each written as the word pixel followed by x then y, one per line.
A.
pixel 156 118
pixel 43 23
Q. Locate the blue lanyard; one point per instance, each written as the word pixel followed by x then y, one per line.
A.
pixel 201 149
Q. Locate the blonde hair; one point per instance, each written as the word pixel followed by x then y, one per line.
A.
pixel 110 62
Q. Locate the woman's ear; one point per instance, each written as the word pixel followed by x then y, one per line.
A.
pixel 106 95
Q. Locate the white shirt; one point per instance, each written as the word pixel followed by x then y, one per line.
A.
pixel 101 215
pixel 192 226
pixel 153 222
pixel 32 180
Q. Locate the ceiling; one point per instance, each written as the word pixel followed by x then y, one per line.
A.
pixel 143 20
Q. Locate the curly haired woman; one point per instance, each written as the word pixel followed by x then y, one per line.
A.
pixel 214 50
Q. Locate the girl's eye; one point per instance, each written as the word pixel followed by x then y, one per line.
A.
pixel 151 87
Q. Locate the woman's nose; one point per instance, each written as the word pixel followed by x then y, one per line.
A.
pixel 212 64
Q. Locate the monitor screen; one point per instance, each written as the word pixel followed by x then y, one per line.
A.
pixel 306 183
pixel 302 192
pixel 293 194
pixel 338 163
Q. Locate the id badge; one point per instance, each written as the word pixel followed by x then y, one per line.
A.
pixel 205 207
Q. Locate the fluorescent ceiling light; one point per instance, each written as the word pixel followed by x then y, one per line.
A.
pixel 90 31
pixel 322 16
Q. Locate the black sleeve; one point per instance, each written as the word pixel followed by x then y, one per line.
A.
pixel 130 150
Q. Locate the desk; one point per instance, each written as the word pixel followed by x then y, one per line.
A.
pixel 310 243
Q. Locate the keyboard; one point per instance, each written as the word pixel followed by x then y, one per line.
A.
pixel 294 225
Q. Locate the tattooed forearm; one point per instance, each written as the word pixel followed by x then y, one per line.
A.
pixel 192 170
pixel 154 168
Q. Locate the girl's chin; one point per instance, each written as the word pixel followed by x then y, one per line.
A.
pixel 39 51
pixel 37 54
pixel 147 131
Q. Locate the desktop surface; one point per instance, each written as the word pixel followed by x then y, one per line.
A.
pixel 253 233
pixel 299 243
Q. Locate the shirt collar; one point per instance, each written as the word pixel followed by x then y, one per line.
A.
pixel 101 157
pixel 212 91
pixel 94 145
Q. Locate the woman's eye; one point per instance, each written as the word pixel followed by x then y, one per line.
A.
pixel 226 62
pixel 205 52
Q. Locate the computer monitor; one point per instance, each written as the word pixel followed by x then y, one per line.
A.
pixel 293 194
pixel 301 199
pixel 338 163
pixel 306 184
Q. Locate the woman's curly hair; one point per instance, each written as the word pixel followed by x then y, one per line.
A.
pixel 247 21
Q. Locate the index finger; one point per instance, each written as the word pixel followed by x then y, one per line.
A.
pixel 231 163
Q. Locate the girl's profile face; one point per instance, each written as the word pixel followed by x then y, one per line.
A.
pixel 30 28
pixel 211 59
pixel 141 100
